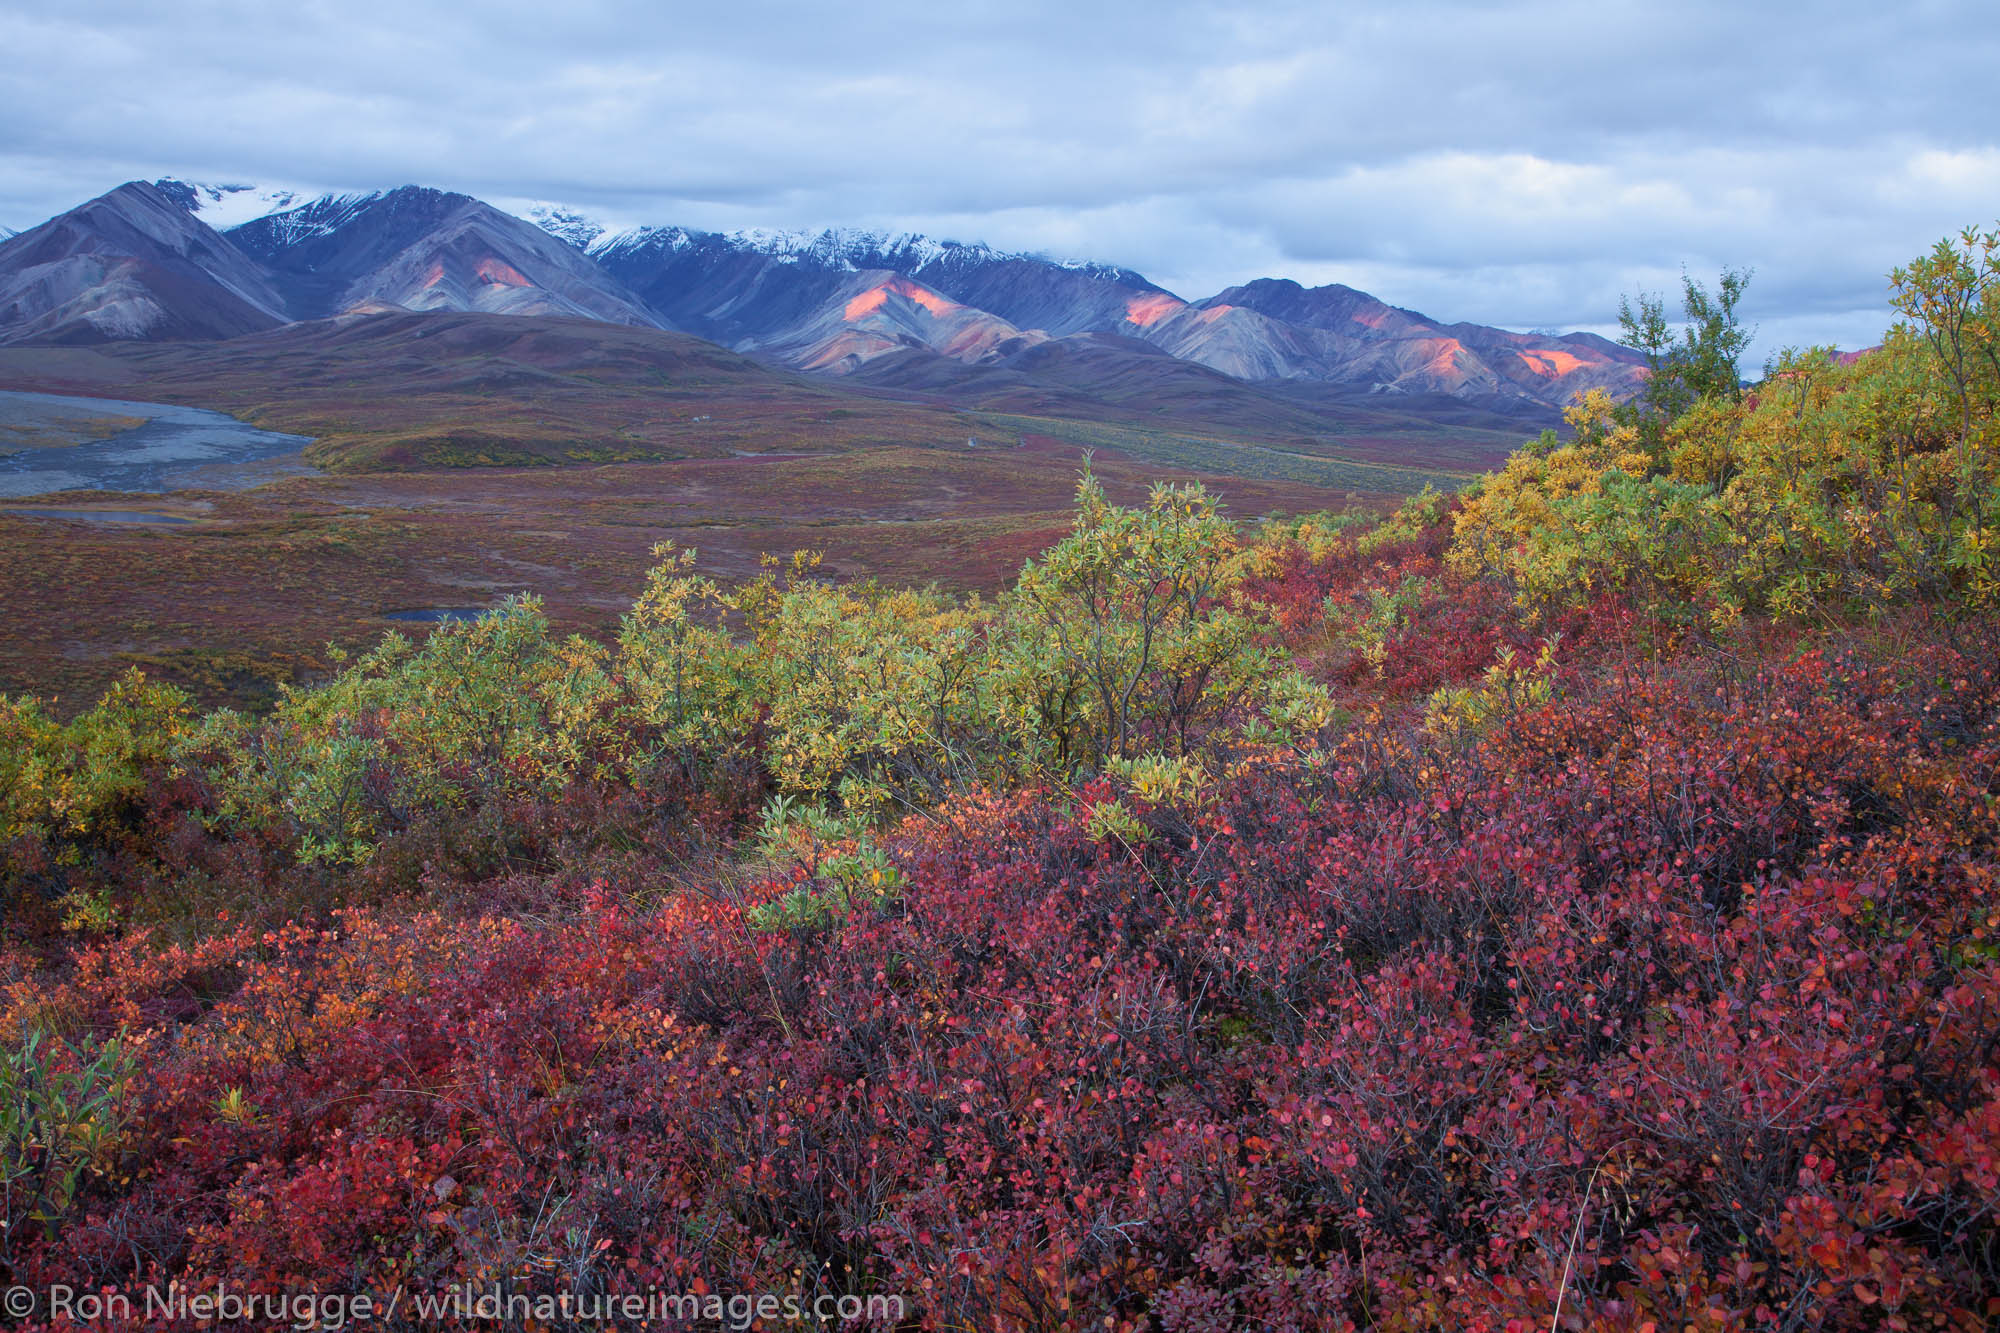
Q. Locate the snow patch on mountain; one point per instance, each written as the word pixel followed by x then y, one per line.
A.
pixel 316 217
pixel 584 230
pixel 835 249
pixel 847 248
pixel 839 249
pixel 226 206
pixel 856 249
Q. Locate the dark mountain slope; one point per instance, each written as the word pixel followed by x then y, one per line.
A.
pixel 724 293
pixel 771 291
pixel 130 264
pixel 1360 341
pixel 755 286
pixel 418 249
pixel 879 312
pixel 138 264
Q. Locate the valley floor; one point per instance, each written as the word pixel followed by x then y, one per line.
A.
pixel 231 594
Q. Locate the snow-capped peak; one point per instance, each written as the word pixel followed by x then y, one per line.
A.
pixel 225 206
pixel 849 249
pixel 854 247
pixel 652 239
pixel 586 231
pixel 319 216
pixel 844 248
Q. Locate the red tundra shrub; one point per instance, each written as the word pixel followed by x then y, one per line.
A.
pixel 1675 1003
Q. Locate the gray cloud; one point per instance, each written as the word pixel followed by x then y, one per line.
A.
pixel 1518 164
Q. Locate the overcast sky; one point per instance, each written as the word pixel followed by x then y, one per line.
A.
pixel 1514 164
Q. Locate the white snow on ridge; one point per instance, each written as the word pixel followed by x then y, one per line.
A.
pixel 846 247
pixel 586 231
pixel 843 248
pixel 319 216
pixel 225 206
pixel 301 213
pixel 648 238
pixel 849 249
pixel 854 248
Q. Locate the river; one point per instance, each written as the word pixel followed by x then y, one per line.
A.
pixel 176 448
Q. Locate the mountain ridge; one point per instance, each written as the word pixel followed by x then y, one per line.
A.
pixel 830 301
pixel 130 264
pixel 422 249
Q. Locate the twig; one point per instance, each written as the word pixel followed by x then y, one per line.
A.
pixel 1582 1208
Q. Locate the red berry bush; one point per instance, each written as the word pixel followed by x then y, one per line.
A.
pixel 1675 1003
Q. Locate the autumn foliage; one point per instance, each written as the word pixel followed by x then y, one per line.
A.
pixel 1379 928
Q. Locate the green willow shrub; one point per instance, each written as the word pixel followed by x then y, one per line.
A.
pixel 688 686
pixel 71 793
pixel 1123 639
pixel 1952 295
pixel 1833 488
pixel 875 695
pixel 479 709
pixel 62 1123
pixel 1119 639
pixel 1414 517
pixel 69 779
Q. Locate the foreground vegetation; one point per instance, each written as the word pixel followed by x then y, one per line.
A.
pixel 1566 904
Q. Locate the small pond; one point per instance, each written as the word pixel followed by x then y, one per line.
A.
pixel 431 615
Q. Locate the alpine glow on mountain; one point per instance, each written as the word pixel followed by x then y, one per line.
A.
pixel 176 259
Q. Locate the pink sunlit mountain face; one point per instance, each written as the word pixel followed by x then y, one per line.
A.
pixel 144 263
pixel 766 290
pixel 419 249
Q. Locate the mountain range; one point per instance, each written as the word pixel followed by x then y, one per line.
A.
pixel 171 260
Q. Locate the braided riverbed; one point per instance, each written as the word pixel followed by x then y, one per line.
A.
pixel 172 448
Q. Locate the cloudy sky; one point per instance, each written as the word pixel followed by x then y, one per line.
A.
pixel 1515 164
